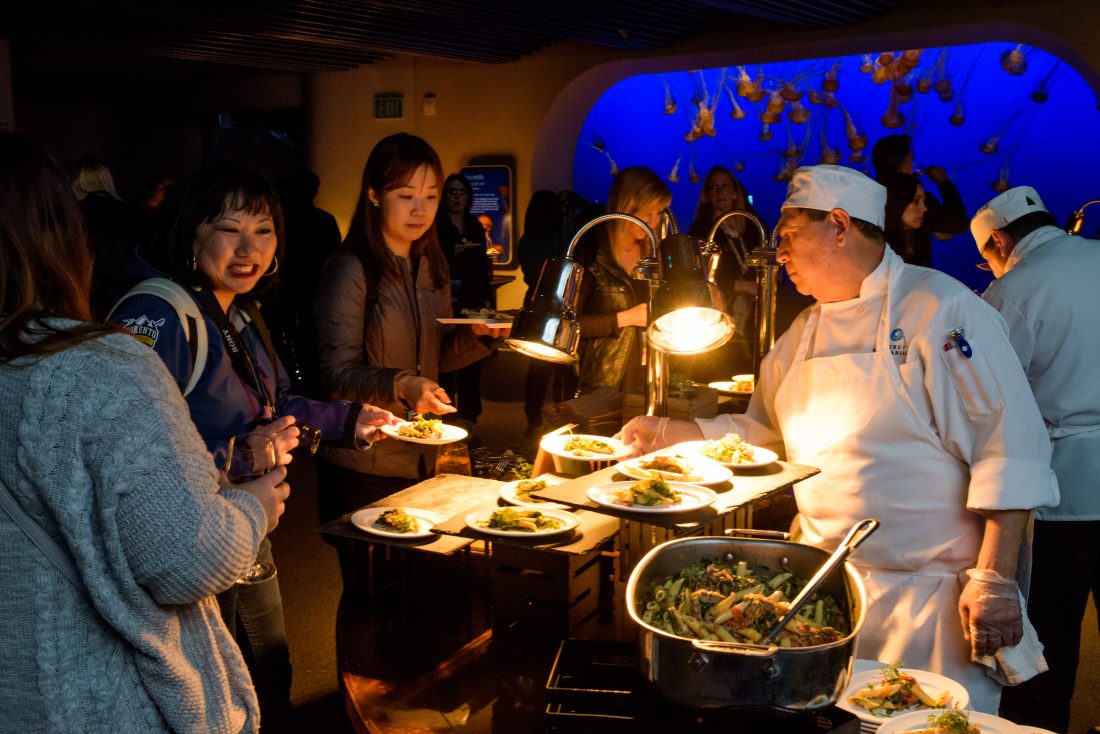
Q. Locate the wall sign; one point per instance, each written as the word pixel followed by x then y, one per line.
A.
pixel 492 205
pixel 389 106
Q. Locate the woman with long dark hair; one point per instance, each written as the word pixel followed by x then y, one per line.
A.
pixel 108 621
pixel 376 311
pixel 907 229
pixel 218 244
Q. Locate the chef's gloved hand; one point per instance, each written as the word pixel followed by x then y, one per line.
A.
pixel 990 609
pixel 646 433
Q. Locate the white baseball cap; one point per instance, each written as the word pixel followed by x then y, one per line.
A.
pixel 1004 209
pixel 835 187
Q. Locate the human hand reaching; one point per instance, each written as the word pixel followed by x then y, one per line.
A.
pixel 646 433
pixel 370 421
pixel 424 395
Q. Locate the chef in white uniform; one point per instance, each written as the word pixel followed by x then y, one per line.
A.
pixel 901 385
pixel 1046 291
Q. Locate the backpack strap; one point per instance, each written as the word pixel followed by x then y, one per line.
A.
pixel 190 317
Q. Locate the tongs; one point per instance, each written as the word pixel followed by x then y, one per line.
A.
pixel 859 533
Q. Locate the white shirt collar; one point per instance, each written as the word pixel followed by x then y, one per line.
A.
pixel 1030 242
pixel 873 285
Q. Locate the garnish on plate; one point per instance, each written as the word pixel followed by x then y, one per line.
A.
pixel 397 520
pixel 585 446
pixel 896 692
pixel 648 492
pixel 531 521
pixel 730 449
pixel 421 427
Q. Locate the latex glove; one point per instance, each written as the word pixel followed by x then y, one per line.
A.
pixel 646 433
pixel 424 395
pixel 369 423
pixel 990 610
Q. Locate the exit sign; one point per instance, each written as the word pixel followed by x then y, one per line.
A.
pixel 388 106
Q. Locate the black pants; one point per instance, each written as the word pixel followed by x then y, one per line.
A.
pixel 1065 570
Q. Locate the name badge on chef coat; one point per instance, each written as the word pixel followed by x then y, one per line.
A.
pixel 898 345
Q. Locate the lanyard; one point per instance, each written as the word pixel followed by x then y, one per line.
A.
pixel 235 346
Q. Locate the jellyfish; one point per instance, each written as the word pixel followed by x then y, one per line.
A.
pixel 670 101
pixel 880 74
pixel 792 150
pixel 614 165
pixel 943 88
pixel 868 65
pixel 737 112
pixel 892 118
pixel 830 83
pixel 693 176
pixel 758 92
pixel 739 166
pixel 597 144
pixel 776 103
pixel 957 117
pixel 674 174
pixel 909 60
pixel 786 171
pixel 830 100
pixel 750 89
pixel 765 133
pixel 815 97
pixel 1013 60
pixel 903 89
pixel 1042 90
pixel 770 117
pixel 990 145
pixel 855 140
pixel 924 84
pixel 1002 184
pixel 798 113
pixel 857 156
pixel 885 58
pixel 789 92
pixel 829 156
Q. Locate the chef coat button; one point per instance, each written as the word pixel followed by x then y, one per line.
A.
pixel 862 309
pixel 828 314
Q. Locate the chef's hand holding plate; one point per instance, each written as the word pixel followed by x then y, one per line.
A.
pixel 368 425
pixel 646 433
pixel 990 609
pixel 423 395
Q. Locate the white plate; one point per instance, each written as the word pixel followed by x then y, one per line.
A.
pixel 450 435
pixel 556 445
pixel 692 497
pixel 932 683
pixel 763 456
pixel 919 719
pixel 704 470
pixel 728 387
pixel 568 519
pixel 491 323
pixel 508 494
pixel 425 519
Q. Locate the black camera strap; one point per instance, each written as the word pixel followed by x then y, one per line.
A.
pixel 243 363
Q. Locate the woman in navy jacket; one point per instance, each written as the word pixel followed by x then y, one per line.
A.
pixel 218 240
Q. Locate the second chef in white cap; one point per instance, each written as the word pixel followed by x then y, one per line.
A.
pixel 901 385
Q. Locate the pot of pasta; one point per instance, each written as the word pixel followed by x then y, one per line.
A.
pixel 704 608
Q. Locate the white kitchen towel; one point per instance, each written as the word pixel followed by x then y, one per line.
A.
pixel 1011 666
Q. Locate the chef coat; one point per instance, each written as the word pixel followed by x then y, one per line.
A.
pixel 1050 300
pixel 908 429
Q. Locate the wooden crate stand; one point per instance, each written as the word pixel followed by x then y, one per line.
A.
pixel 557 592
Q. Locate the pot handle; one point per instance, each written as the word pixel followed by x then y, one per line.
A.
pixel 752 533
pixel 730 648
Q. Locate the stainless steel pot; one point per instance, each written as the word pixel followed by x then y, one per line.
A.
pixel 707 674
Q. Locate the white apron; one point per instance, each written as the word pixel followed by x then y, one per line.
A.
pixel 850 416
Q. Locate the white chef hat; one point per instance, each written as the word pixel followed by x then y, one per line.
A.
pixel 1002 210
pixel 835 187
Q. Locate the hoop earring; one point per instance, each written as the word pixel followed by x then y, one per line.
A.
pixel 274 266
pixel 194 263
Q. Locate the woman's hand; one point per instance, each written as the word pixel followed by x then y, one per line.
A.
pixel 283 433
pixel 270 490
pixel 370 421
pixel 636 316
pixel 424 395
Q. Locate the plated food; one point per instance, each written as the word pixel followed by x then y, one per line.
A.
pixel 396 522
pixel 728 601
pixel 585 447
pixel 519 492
pixel 951 721
pixel 522 522
pixel 651 495
pixel 877 695
pixel 677 466
pixel 732 387
pixel 430 431
pixel 730 451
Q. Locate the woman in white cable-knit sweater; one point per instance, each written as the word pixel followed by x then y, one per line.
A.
pixel 97 447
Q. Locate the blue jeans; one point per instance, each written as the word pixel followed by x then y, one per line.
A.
pixel 254 615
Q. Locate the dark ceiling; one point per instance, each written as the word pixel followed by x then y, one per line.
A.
pixel 188 39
